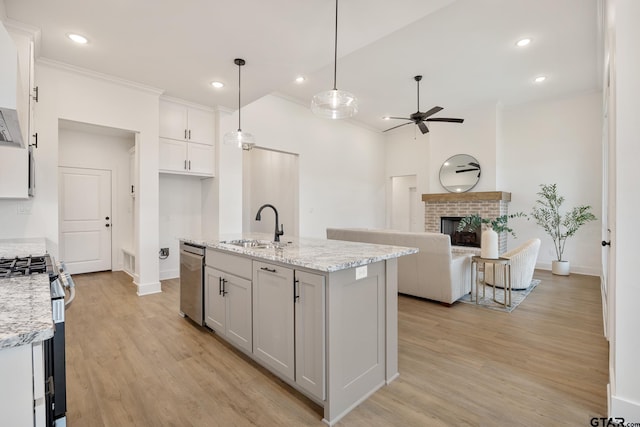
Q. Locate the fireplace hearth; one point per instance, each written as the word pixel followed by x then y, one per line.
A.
pixel 449 225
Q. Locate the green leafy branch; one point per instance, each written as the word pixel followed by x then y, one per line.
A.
pixel 499 224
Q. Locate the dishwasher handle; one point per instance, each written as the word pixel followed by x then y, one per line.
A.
pixel 192 248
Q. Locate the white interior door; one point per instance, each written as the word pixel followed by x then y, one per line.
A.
pixel 85 219
pixel 403 203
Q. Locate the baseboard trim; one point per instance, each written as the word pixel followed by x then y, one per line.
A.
pixel 169 274
pixel 623 408
pixel 148 288
pixel 577 269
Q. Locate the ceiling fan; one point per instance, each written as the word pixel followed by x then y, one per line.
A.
pixel 420 118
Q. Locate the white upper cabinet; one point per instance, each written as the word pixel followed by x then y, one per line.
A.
pixel 16 87
pixel 186 123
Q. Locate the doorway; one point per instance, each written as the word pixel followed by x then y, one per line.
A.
pixel 270 176
pixel 406 213
pixel 95 179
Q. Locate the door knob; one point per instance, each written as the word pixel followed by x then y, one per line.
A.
pixel 107 225
pixel 606 243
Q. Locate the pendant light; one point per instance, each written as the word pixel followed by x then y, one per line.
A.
pixel 335 104
pixel 241 139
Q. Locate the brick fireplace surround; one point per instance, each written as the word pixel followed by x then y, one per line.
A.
pixel 488 204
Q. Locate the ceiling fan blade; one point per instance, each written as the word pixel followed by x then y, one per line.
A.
pixel 431 112
pixel 444 119
pixel 404 124
pixel 400 118
pixel 423 128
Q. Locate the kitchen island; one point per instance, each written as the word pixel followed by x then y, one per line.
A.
pixel 320 314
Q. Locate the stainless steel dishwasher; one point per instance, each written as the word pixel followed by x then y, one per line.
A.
pixel 191 281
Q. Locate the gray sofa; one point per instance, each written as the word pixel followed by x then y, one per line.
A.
pixel 432 273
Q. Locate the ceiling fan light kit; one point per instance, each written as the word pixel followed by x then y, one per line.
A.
pixel 419 118
pixel 241 139
pixel 335 104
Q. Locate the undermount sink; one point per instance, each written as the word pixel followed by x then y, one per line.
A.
pixel 256 244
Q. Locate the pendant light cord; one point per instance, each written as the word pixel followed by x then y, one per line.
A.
pixel 239 86
pixel 335 50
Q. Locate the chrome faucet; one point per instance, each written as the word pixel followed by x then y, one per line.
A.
pixel 278 233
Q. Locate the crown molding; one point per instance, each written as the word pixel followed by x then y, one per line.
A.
pixel 187 103
pixel 98 76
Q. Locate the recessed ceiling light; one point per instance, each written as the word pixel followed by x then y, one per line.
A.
pixel 78 38
pixel 217 85
pixel 523 42
pixel 540 79
pixel 386 118
pixel 300 79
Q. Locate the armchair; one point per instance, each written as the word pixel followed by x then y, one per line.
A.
pixel 523 262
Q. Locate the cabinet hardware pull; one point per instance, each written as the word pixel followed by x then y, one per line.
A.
pixel 189 164
pixel 224 286
pixel 35 135
pixel 189 133
pixel 606 243
pixel 270 270
pixel 185 165
pixel 35 98
pixel 296 295
pixel 132 190
pixel 185 134
pixel 107 225
pixel 219 285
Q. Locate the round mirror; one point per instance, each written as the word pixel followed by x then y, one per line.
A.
pixel 460 173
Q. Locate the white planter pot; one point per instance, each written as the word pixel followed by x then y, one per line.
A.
pixel 560 268
pixel 489 244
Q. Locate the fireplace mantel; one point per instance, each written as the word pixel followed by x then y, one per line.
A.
pixel 467 197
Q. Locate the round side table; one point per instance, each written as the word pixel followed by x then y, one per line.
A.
pixel 476 261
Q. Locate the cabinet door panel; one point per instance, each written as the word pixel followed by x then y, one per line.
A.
pixel 200 158
pixel 201 126
pixel 238 299
pixel 273 322
pixel 173 155
pixel 215 305
pixel 310 333
pixel 173 120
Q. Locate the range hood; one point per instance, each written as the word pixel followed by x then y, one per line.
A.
pixel 10 134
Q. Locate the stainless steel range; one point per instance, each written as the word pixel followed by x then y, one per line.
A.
pixel 54 348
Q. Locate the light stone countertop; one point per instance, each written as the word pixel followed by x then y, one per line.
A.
pixel 11 248
pixel 312 253
pixel 25 310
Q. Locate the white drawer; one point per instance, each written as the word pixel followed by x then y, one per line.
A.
pixel 229 263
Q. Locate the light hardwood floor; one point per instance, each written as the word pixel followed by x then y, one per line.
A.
pixel 133 361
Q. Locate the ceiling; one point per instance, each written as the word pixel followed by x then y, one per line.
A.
pixel 465 49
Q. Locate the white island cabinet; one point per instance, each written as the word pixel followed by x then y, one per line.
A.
pixel 228 305
pixel 322 313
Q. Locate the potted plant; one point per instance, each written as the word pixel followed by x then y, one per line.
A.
pixel 494 226
pixel 560 227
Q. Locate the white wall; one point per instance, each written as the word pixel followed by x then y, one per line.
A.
pixel 8 69
pixel 341 164
pixel 180 216
pixel 78 96
pixel 557 141
pixel 86 149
